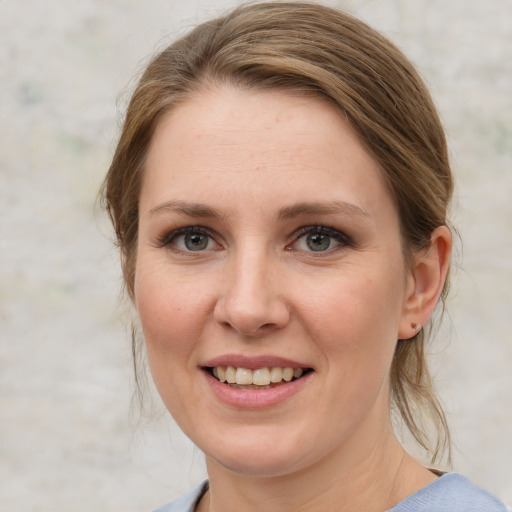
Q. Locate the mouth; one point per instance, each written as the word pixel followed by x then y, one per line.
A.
pixel 256 379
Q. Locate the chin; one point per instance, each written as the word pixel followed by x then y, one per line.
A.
pixel 260 456
pixel 262 466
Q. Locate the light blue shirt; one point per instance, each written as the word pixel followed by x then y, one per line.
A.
pixel 449 493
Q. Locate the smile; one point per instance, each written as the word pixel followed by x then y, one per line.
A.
pixel 259 378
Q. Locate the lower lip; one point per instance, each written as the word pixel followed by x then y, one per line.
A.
pixel 253 398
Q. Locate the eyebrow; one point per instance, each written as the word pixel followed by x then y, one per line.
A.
pixel 198 210
pixel 316 208
pixel 190 209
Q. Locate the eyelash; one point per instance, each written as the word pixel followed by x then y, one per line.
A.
pixel 343 239
pixel 340 237
pixel 168 238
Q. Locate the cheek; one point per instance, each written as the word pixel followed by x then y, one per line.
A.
pixel 172 315
pixel 353 305
pixel 355 323
pixel 172 312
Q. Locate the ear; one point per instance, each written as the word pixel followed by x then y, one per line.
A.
pixel 425 282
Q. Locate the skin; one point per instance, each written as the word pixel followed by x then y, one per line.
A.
pixel 251 160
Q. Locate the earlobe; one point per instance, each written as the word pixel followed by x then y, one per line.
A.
pixel 426 282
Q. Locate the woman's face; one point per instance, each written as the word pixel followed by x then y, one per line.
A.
pixel 267 241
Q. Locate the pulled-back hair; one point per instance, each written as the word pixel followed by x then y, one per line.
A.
pixel 309 49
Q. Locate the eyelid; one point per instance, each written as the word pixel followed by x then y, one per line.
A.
pixel 167 238
pixel 341 237
pixel 344 240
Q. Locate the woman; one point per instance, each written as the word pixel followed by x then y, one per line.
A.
pixel 279 194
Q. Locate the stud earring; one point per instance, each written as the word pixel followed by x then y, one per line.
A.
pixel 416 328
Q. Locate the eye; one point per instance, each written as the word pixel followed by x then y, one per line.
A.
pixel 195 241
pixel 190 239
pixel 319 239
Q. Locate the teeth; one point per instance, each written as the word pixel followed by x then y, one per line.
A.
pixel 258 377
pixel 276 375
pixel 243 376
pixel 288 374
pixel 230 375
pixel 261 377
pixel 221 373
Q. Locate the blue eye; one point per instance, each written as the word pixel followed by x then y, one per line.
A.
pixel 318 242
pixel 319 239
pixel 195 241
pixel 192 239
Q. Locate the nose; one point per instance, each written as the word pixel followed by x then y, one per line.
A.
pixel 251 302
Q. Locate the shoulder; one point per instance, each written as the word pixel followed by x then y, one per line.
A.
pixel 451 492
pixel 186 503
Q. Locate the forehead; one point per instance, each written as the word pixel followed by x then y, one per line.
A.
pixel 264 145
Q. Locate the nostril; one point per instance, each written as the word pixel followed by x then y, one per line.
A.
pixel 252 321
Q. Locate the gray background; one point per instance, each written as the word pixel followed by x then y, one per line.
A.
pixel 67 438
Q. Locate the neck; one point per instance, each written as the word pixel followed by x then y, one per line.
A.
pixel 370 482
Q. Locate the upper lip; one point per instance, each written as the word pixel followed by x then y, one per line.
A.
pixel 253 362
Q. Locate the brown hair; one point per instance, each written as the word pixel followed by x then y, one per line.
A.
pixel 309 49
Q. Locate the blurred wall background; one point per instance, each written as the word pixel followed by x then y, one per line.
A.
pixel 67 438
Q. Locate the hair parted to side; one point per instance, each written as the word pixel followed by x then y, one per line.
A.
pixel 308 48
